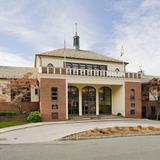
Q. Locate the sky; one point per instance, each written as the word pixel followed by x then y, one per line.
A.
pixel 28 27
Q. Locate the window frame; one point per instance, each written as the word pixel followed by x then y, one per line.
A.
pixel 50 65
pixel 54 93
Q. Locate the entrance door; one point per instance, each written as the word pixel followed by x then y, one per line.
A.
pixel 89 101
pixel 73 100
pixel 105 100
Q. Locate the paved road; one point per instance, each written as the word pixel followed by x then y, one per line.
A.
pixel 53 131
pixel 129 148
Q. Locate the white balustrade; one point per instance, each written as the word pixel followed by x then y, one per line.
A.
pixel 89 72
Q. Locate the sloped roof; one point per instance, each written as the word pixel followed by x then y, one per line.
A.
pixel 17 72
pixel 79 54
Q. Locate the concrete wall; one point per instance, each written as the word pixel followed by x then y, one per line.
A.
pixel 118 97
pixel 58 62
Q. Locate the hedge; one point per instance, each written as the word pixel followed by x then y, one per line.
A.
pixel 8 114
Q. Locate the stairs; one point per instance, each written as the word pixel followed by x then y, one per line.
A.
pixel 93 117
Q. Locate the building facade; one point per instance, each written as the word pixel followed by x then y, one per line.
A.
pixel 78 83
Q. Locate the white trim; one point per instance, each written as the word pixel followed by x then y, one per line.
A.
pixel 97 101
pixel 80 101
pixel 66 100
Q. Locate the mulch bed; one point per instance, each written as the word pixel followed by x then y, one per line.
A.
pixel 114 132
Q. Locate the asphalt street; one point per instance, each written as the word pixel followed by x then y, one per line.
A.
pixel 126 148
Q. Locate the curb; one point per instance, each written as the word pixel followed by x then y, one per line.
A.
pixel 108 137
pixel 9 129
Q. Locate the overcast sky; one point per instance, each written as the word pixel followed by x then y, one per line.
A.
pixel 32 26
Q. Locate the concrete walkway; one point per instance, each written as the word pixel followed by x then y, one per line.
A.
pixel 47 132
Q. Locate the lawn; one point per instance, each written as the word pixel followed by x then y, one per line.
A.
pixel 9 124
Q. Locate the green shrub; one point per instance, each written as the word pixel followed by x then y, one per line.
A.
pixel 119 114
pixel 7 113
pixel 34 116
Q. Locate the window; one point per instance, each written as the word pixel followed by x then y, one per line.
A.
pixel 96 67
pixel 36 91
pixel 132 94
pixel 4 91
pixel 75 65
pixel 117 70
pixel 54 93
pixel 132 105
pixel 103 67
pixel 132 112
pixel 68 65
pixel 89 66
pixel 54 106
pixel 82 66
pixel 26 94
pixel 54 115
pixel 50 65
pixel 153 110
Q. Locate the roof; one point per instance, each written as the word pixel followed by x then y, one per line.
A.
pixel 16 72
pixel 80 54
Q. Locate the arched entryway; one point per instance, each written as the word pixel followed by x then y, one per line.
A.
pixel 73 100
pixel 105 100
pixel 89 100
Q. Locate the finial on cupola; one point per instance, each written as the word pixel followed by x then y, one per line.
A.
pixel 76 39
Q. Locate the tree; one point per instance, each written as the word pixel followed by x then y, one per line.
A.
pixel 20 90
pixel 154 90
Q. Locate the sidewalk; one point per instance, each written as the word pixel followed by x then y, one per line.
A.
pixel 50 131
pixel 31 125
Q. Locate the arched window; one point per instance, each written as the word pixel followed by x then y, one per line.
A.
pixel 117 70
pixel 105 100
pixel 50 65
pixel 73 100
pixel 89 100
pixel 132 94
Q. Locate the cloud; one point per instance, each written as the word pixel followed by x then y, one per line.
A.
pixel 12 59
pixel 44 24
pixel 139 32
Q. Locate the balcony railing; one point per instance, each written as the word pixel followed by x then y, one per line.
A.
pixel 88 72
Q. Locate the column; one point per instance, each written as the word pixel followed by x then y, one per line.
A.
pixel 66 101
pixel 80 101
pixel 97 101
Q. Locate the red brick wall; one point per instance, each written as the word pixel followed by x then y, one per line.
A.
pixel 138 100
pixel 26 107
pixel 46 102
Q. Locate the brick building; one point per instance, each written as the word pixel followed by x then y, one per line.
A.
pixel 79 83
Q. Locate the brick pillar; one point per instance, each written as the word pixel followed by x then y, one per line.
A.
pixel 47 106
pixel 137 101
